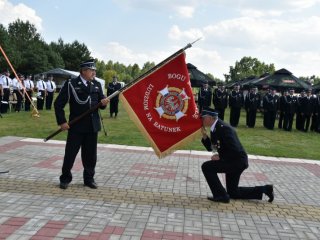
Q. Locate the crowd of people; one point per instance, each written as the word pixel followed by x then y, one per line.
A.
pixel 23 90
pixel 285 107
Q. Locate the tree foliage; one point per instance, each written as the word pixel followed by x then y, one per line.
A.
pixel 248 67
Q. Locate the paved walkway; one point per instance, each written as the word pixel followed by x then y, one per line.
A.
pixel 142 197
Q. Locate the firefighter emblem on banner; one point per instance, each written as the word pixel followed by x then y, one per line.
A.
pixel 172 103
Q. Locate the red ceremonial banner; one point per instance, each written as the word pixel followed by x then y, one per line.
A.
pixel 162 106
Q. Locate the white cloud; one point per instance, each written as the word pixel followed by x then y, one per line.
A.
pixel 9 13
pixel 119 53
pixel 180 8
pixel 191 34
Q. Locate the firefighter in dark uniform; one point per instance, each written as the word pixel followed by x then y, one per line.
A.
pixel 315 125
pixel 290 109
pixel 204 96
pixel 220 100
pixel 252 103
pixel 307 109
pixel 299 111
pixel 82 93
pixel 235 103
pixel 231 159
pixel 114 102
pixel 281 108
pixel 270 106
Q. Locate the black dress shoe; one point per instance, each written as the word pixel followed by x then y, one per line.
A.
pixel 219 199
pixel 92 185
pixel 269 192
pixel 64 185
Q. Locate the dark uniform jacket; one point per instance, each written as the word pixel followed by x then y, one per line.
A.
pixel 220 99
pixel 307 105
pixel 270 103
pixel 290 104
pixel 225 140
pixel 236 99
pixel 204 97
pixel 113 88
pixel 81 98
pixel 252 101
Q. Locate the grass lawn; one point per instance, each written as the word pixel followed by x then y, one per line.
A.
pixel 257 141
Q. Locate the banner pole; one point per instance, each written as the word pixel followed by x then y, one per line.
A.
pixel 123 88
pixel 35 112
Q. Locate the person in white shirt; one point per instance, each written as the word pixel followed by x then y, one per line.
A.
pixel 51 88
pixel 42 92
pixel 6 83
pixel 18 92
pixel 29 86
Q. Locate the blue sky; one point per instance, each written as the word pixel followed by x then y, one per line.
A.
pixel 283 32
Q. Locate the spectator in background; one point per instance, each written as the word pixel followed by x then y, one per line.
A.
pixel 6 83
pixel 281 108
pixel 42 92
pixel 235 103
pixel 315 124
pixel 114 102
pixel 252 103
pixel 204 96
pixel 307 109
pixel 29 88
pixel 51 88
pixel 290 109
pixel 18 92
pixel 220 100
pixel 299 111
pixel 270 106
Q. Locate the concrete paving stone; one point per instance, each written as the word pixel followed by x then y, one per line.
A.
pixel 138 200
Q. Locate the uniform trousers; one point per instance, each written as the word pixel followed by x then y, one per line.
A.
pixel 251 117
pixel 40 100
pixel 27 102
pixel 114 106
pixel 288 121
pixel 49 100
pixel 211 169
pixel 88 144
pixel 221 113
pixel 281 116
pixel 234 116
pixel 5 98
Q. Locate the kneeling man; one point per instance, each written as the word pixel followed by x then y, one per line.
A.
pixel 230 159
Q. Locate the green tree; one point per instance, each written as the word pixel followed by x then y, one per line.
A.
pixel 6 46
pixel 247 67
pixel 135 71
pixel 147 66
pixel 108 74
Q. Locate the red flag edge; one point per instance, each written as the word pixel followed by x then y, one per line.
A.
pixel 192 137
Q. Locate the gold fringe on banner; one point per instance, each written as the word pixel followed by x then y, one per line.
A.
pixel 144 132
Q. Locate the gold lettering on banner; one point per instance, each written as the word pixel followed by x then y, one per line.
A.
pixel 176 76
pixel 166 129
pixel 146 97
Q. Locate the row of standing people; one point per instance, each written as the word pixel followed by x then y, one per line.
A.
pixel 305 107
pixel 44 91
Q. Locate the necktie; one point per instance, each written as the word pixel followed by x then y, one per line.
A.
pixel 43 85
pixel 30 84
pixel 7 82
pixel 51 85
